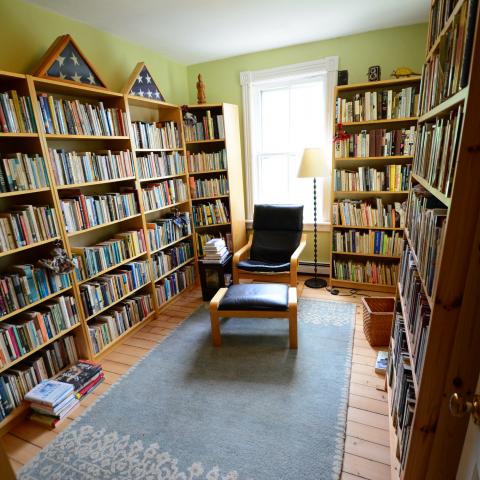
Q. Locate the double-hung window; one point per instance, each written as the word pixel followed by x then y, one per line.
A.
pixel 286 110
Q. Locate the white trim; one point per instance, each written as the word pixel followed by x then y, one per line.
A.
pixel 249 79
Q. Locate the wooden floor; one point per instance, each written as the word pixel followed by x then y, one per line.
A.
pixel 367 453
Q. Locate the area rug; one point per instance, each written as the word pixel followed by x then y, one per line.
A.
pixel 250 410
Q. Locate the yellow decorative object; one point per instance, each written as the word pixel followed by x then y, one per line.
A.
pixel 403 72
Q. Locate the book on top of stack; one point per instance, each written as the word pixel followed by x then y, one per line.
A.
pixel 215 251
pixel 51 401
pixel 85 376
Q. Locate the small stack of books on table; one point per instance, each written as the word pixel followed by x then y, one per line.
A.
pixel 215 251
pixel 51 401
pixel 85 376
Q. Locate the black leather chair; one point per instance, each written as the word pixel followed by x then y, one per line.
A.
pixel 271 254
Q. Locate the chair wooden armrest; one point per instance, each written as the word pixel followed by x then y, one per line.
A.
pixel 294 260
pixel 240 255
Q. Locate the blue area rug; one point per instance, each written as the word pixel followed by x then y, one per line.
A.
pixel 252 409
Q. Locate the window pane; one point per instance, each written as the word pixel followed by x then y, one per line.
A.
pixel 273 179
pixel 275 121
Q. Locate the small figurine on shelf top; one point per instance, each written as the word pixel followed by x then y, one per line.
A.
pixel 201 98
pixel 374 73
pixel 403 72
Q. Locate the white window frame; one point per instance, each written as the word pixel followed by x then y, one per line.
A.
pixel 250 81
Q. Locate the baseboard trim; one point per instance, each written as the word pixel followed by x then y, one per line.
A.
pixel 307 267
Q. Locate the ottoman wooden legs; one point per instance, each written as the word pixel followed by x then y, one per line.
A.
pixel 291 314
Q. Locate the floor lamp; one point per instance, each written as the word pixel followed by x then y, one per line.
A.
pixel 313 165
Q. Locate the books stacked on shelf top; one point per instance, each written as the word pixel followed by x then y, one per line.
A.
pixel 51 401
pixel 16 113
pixel 208 128
pixel 381 363
pixel 377 143
pixel 377 105
pixel 85 376
pixel 215 251
pixel 70 168
pixel 203 238
pixel 21 171
pixel 70 117
pixel 202 162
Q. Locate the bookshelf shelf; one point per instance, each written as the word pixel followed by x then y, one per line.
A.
pixel 174 269
pixel 213 225
pixel 123 262
pixel 28 247
pixel 97 182
pixel 397 229
pixel 444 107
pixel 212 197
pixel 24 192
pixel 65 87
pixel 393 82
pixel 103 225
pixel 211 140
pixel 377 287
pixel 380 122
pixel 437 193
pixel 63 136
pixel 373 255
pixel 166 207
pixel 208 172
pixel 186 237
pixel 110 305
pixel 18 135
pixel 31 352
pixel 387 157
pixel 166 177
pixel 146 150
pixel 378 192
pixel 34 304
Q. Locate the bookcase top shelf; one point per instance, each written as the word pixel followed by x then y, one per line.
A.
pixel 149 102
pixel 65 87
pixel 29 246
pixel 380 84
pixel 206 105
pixel 380 122
pixel 12 75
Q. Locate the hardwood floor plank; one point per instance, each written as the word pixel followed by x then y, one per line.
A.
pixel 114 367
pixel 367 391
pixel 101 389
pixel 147 335
pixel 15 465
pixel 363 360
pixel 33 433
pixel 367 432
pixel 118 357
pixel 140 343
pixel 369 404
pixel 365 468
pixel 365 449
pixel 366 370
pixel 367 418
pixel 130 350
pixel 19 449
pixel 368 380
pixel 111 377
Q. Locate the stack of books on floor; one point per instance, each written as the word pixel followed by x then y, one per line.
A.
pixel 85 376
pixel 51 401
pixel 215 251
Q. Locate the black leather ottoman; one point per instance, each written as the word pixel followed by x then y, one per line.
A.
pixel 255 300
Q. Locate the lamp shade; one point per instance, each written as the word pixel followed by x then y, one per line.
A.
pixel 313 164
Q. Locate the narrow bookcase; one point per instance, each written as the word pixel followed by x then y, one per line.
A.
pixel 209 148
pixel 435 330
pixel 89 170
pixel 370 180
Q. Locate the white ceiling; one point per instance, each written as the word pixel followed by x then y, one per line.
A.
pixel 193 31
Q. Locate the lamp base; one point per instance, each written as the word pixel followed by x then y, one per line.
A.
pixel 316 283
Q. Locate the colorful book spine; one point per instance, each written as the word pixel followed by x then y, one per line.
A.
pixel 16 113
pixel 170 258
pixel 165 193
pixel 155 165
pixel 204 162
pixel 210 187
pixel 164 231
pixel 393 178
pixel 20 172
pixel 210 214
pixel 174 284
pixel 156 135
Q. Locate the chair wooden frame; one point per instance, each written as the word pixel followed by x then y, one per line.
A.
pixel 289 277
pixel 290 313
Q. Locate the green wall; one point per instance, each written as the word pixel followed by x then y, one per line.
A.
pixel 389 48
pixel 27 31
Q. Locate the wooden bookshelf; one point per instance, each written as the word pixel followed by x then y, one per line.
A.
pixel 379 162
pixel 449 364
pixel 234 172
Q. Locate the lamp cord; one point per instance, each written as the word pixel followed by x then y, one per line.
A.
pixel 315 227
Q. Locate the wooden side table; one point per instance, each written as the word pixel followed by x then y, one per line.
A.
pixel 212 277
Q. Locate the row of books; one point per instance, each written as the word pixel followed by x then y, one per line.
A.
pixel 365 272
pixel 370 243
pixel 90 261
pixel 361 213
pixel 35 328
pixel 216 251
pixel 17 381
pixel 16 113
pixel 71 117
pixel 377 105
pixel 209 187
pixel 85 211
pixel 377 143
pixel 203 238
pixel 105 328
pixel 21 171
pixel 400 379
pixel 210 213
pixel 167 260
pixel 203 162
pixel 168 229
pixel 161 164
pixel 174 284
pixel 417 308
pixel 156 135
pixel 162 194
pixel 27 225
pixel 28 284
pixel 440 12
pixel 436 156
pixel 208 128
pixel 447 71
pixel 70 168
pixel 426 223
pixel 393 178
pixel 109 288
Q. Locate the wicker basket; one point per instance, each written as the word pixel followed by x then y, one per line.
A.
pixel 377 319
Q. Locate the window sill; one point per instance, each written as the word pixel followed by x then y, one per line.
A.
pixel 307 227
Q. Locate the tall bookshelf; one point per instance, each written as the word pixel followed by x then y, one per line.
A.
pixel 436 324
pixel 205 146
pixel 370 114
pixel 158 270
